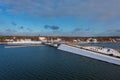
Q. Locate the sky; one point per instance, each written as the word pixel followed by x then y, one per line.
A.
pixel 60 17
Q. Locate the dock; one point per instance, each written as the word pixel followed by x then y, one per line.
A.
pixel 20 46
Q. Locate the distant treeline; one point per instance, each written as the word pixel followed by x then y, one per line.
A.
pixel 15 38
pixel 100 39
pixel 36 38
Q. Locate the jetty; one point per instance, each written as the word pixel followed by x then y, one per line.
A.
pixel 80 50
pixel 20 46
pixel 14 46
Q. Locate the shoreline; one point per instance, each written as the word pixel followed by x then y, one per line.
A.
pixel 38 42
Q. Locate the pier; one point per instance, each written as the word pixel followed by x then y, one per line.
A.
pixel 20 46
pixel 88 53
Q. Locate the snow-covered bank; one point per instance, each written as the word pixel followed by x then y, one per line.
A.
pixel 90 54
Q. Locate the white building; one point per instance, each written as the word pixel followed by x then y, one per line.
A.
pixel 43 39
pixel 9 40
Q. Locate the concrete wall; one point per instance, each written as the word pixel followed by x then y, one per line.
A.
pixel 90 54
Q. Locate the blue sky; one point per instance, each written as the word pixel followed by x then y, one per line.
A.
pixel 60 17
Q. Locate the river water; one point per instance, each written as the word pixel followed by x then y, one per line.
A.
pixel 48 63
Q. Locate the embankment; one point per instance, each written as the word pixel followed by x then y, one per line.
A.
pixel 94 55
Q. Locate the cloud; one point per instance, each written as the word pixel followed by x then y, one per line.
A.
pixel 91 9
pixel 0 10
pixel 77 29
pixel 13 32
pixel 46 26
pixel 10 30
pixel 13 23
pixel 52 27
pixel 110 32
pixel 21 27
pixel 30 30
pixel 62 33
pixel 88 29
pixel 19 33
pixel 113 32
pixel 81 30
